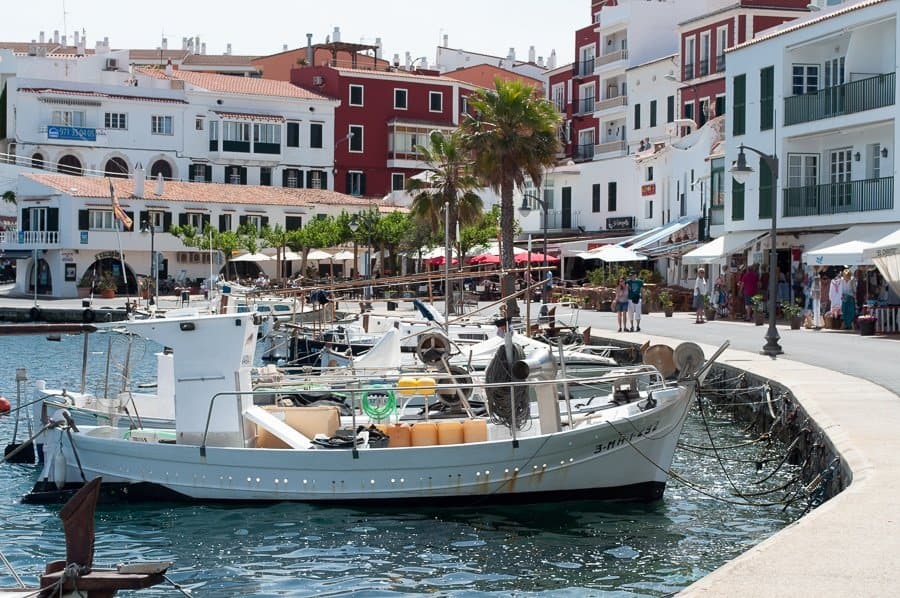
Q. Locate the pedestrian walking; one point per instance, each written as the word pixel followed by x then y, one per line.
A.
pixel 635 285
pixel 701 291
pixel 621 304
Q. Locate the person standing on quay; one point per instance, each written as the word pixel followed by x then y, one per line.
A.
pixel 815 293
pixel 635 285
pixel 701 290
pixel 749 285
pixel 848 299
pixel 621 304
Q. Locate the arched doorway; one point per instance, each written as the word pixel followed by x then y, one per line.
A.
pixel 110 266
pixel 116 167
pixel 69 164
pixel 37 160
pixel 161 167
pixel 44 278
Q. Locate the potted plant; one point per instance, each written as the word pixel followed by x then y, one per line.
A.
pixel 665 300
pixel 792 312
pixel 107 286
pixel 709 308
pixel 85 286
pixel 759 315
pixel 866 323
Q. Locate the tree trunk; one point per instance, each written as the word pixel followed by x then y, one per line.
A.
pixel 355 269
pixel 303 262
pixel 507 262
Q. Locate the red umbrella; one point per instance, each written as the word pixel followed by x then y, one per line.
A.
pixel 534 258
pixel 439 261
pixel 485 258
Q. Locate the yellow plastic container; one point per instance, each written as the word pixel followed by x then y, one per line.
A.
pixel 474 430
pixel 407 385
pixel 426 385
pixel 399 435
pixel 424 434
pixel 449 432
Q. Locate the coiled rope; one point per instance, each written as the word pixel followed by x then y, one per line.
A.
pixel 499 370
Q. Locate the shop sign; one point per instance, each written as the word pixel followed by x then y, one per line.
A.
pixel 620 223
pixel 67 256
pixel 71 133
pixel 648 189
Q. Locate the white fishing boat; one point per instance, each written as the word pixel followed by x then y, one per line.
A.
pixel 530 447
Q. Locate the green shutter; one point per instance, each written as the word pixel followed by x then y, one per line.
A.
pixel 637 116
pixel 53 219
pixel 737 200
pixel 595 197
pixel 26 219
pixel 738 116
pixel 652 113
pixel 84 219
pixel 223 223
pixel 766 98
pixel 208 173
pixel 324 179
pixel 182 219
pixel 670 109
pixel 167 221
pixel 243 173
pixel 293 223
pixel 766 190
pixel 611 191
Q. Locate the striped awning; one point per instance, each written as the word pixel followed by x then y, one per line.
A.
pixel 248 116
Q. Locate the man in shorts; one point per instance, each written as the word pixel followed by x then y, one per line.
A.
pixel 635 285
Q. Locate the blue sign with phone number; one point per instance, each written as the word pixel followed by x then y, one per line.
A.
pixel 72 133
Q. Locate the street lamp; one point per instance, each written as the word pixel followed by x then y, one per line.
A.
pixel 525 210
pixel 147 227
pixel 741 173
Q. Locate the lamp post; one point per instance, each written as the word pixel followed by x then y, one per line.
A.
pixel 525 210
pixel 147 227
pixel 741 173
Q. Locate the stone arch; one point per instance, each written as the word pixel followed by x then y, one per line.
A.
pixel 70 164
pixel 38 160
pixel 161 166
pixel 44 277
pixel 111 265
pixel 116 166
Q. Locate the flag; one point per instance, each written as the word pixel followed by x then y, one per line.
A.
pixel 118 212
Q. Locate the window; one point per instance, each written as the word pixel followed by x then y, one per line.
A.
pixel 254 220
pixel 840 176
pixel 157 220
pixel 161 125
pixel 766 190
pixel 652 113
pixel 101 220
pixel 803 170
pixel 355 183
pixel 356 138
pixel 464 105
pixel 689 49
pixel 704 54
pixel 115 120
pixel 703 112
pixel 293 223
pixel 198 173
pixel 804 79
pixel 688 110
pixel 213 135
pixel 559 97
pixel 435 101
pixel 595 197
pixel 356 95
pixel 265 176
pixel 611 196
pixel 648 209
pixel 738 120
pixel 721 44
pixel 316 179
pixel 71 118
pixel 548 197
pixel 235 131
pixel 292 178
pixel 267 133
pixel 873 166
pixel 315 135
pixel 737 200
pixel 766 98
pixel 670 109
pixel 198 124
pixel 400 99
pixel 398 181
pixel 235 175
pixel 648 174
pixel 293 134
pixel 637 116
pixel 720 105
pixel 225 223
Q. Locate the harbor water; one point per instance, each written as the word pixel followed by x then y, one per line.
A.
pixel 562 549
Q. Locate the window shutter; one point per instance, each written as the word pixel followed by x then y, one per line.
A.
pixel 737 200
pixel 167 221
pixel 323 177
pixel 264 221
pixel 766 191
pixel 84 219
pixel 309 179
pixel 293 223
pixel 595 198
pixel 242 220
pixel 284 175
pixel 26 218
pixel 204 220
pixel 53 219
pixel 738 123
pixel 223 223
pixel 347 183
pixel 362 184
pixel 208 173
pixel 766 98
pixel 182 219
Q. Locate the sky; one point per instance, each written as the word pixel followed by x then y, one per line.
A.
pixel 260 27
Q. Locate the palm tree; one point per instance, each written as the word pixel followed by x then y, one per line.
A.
pixel 512 135
pixel 448 179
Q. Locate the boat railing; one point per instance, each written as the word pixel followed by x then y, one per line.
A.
pixel 655 380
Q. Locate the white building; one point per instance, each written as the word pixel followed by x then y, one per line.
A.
pixel 68 223
pixel 90 114
pixel 819 96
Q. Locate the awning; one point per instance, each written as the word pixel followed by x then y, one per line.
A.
pixel 660 233
pixel 719 249
pixel 886 255
pixel 16 254
pixel 847 248
pixel 669 249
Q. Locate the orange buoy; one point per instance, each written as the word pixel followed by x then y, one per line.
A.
pixel 4 405
pixel 450 432
pixel 424 434
pixel 474 430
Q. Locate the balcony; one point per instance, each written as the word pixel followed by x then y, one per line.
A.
pixel 558 220
pixel 585 68
pixel 720 63
pixel 687 72
pixel 611 57
pixel 584 151
pixel 609 148
pixel 585 105
pixel 865 94
pixel 610 103
pixel 29 239
pixel 839 198
pixel 704 67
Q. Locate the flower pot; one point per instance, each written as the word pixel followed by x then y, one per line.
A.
pixel 710 313
pixel 759 318
pixel 668 311
pixel 796 321
pixel 108 293
pixel 84 292
pixel 866 327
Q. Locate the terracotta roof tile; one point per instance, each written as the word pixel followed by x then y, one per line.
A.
pixel 219 60
pixel 44 91
pixel 232 84
pixel 213 193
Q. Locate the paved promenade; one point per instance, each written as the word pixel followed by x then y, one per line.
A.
pixel 850 385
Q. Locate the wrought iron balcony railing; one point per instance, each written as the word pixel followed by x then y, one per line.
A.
pixel 857 96
pixel 838 198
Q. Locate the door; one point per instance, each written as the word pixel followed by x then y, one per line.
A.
pixel 802 181
pixel 834 86
pixel 566 207
pixel 840 164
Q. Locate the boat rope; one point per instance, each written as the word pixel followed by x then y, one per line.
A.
pixel 75 453
pixel 11 570
pixel 183 591
pixel 27 443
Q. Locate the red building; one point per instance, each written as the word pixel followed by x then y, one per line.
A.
pixel 383 115
pixel 703 43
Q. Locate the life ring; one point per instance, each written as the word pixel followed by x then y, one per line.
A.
pixel 88 316
pixel 35 314
pixel 375 411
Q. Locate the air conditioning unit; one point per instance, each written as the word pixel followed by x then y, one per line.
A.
pixel 318 80
pixel 112 64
